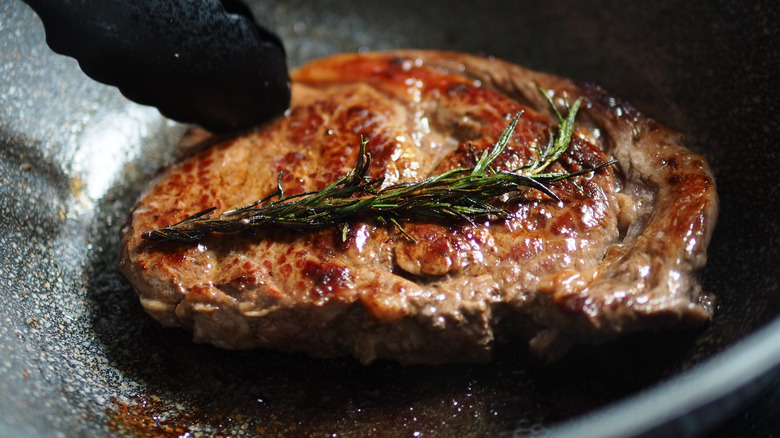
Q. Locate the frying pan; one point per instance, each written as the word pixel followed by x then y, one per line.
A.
pixel 78 356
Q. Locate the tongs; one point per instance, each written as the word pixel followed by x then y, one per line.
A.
pixel 207 62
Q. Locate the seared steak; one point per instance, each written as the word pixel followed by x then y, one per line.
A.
pixel 621 252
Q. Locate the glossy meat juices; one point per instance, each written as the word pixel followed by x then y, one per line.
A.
pixel 620 252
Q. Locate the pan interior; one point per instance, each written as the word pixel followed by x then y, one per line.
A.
pixel 79 356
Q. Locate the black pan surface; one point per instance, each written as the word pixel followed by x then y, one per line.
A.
pixel 78 356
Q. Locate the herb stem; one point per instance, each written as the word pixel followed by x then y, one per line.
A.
pixel 462 193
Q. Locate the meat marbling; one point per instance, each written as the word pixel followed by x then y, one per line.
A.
pixel 621 252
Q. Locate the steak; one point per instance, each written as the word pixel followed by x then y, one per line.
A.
pixel 620 251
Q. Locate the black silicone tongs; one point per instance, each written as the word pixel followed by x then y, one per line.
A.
pixel 200 61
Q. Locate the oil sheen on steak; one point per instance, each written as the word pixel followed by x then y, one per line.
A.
pixel 622 252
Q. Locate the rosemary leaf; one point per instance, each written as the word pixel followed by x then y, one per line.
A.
pixel 460 194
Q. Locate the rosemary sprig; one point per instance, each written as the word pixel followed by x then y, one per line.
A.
pixel 462 194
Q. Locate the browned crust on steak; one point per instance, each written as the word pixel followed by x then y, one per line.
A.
pixel 622 251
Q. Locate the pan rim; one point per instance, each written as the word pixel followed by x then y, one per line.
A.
pixel 680 405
